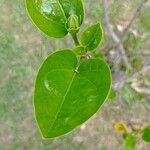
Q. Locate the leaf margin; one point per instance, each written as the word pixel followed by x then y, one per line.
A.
pixel 106 98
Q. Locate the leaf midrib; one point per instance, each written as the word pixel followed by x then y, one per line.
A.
pixel 61 7
pixel 68 89
pixel 52 19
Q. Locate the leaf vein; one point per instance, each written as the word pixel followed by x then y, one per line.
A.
pixel 71 81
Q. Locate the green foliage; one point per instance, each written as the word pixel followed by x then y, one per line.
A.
pixel 132 133
pixel 73 24
pixel 99 55
pixel 70 87
pixel 146 134
pixel 79 50
pixel 130 142
pixel 92 37
pixel 68 92
pixel 112 95
pixel 51 16
pixel 22 50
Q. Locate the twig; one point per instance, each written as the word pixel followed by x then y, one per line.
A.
pixel 119 84
pixel 113 35
pixel 134 17
pixel 139 89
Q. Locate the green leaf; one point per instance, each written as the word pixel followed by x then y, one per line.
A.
pixel 130 142
pixel 146 134
pixel 51 16
pixel 99 55
pixel 112 95
pixel 68 92
pixel 92 37
pixel 79 50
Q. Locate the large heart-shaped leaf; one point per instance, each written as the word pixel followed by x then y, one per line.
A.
pixel 68 92
pixel 51 16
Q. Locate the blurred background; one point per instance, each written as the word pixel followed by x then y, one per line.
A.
pixel 22 50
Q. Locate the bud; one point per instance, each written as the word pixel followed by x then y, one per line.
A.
pixel 73 24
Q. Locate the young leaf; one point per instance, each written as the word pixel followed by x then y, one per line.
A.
pixel 92 37
pixel 51 16
pixel 79 50
pixel 68 92
pixel 112 95
pixel 130 142
pixel 146 134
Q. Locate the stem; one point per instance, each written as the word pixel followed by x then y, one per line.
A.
pixel 75 38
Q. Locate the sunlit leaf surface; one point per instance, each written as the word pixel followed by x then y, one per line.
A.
pixel 92 37
pixel 51 16
pixel 68 92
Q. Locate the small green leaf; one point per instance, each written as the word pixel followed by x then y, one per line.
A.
pixel 92 37
pixel 146 134
pixel 51 16
pixel 99 55
pixel 68 92
pixel 79 50
pixel 112 95
pixel 130 142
